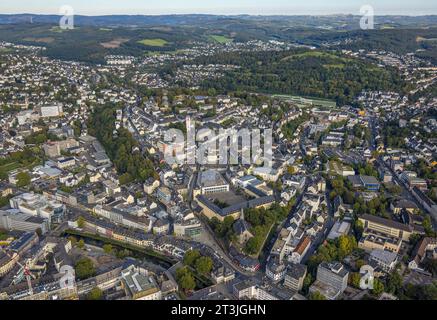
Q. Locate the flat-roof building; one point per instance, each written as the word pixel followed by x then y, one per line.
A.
pixel 211 181
pixel 23 222
pixel 139 285
pixel 331 280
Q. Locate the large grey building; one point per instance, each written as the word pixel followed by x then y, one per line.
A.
pixel 22 222
pixel 331 280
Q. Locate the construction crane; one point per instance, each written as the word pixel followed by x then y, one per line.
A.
pixel 28 275
pixel 26 271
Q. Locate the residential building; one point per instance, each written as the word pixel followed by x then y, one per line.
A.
pixel 150 185
pixel 7 262
pixel 275 270
pixel 295 276
pixel 301 249
pixel 427 247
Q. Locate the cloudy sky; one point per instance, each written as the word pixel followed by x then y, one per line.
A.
pixel 261 7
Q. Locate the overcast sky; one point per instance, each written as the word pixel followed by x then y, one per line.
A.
pixel 261 7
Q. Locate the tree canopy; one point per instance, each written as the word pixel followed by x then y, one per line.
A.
pixel 121 146
pixel 185 279
pixel 85 268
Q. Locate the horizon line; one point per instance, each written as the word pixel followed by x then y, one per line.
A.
pixel 221 14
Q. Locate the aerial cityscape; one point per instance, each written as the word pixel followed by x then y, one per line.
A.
pixel 223 151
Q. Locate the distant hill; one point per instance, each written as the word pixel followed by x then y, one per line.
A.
pixel 96 36
pixel 329 21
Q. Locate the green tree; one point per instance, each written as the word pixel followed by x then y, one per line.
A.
pixel 187 282
pixel 95 294
pixel 23 179
pixel 81 244
pixel 378 287
pixel 307 282
pixel 190 257
pixel 125 178
pixel 421 292
pixel 121 254
pixel 204 265
pixel 355 279
pixel 185 279
pixel 73 240
pixel 108 249
pixel 316 296
pixel 252 245
pixel 81 222
pixel 4 201
pixel 358 227
pixel 85 268
pixel 414 239
pixel 359 263
pixel 427 225
pixel 290 170
pixel 394 283
pixel 3 174
pixel 346 244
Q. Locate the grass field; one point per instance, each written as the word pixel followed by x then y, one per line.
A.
pixel 220 39
pixel 9 167
pixel 16 165
pixel 307 100
pixel 153 42
pixel 318 54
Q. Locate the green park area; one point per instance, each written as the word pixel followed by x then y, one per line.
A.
pixel 220 39
pixel 153 42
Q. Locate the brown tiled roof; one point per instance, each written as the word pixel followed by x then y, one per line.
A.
pixel 301 247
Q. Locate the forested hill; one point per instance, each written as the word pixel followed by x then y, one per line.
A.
pixel 422 42
pixel 95 37
pixel 340 21
pixel 307 73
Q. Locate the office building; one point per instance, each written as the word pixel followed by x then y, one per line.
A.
pixel 331 280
